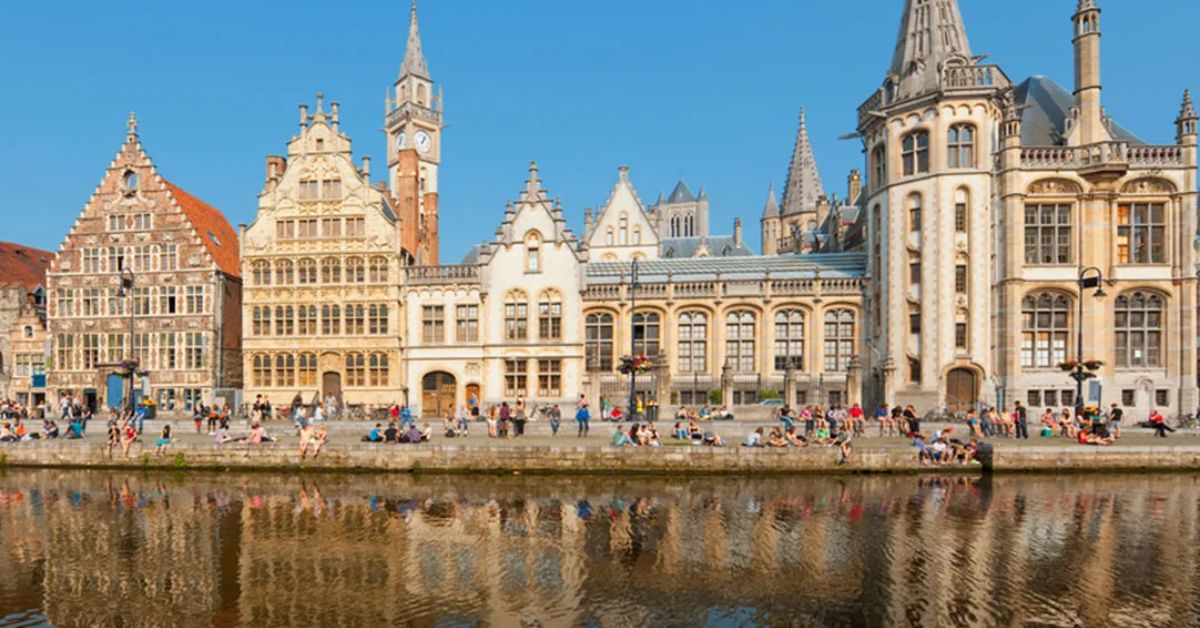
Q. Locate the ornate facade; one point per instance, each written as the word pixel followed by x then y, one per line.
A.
pixel 23 318
pixel 184 304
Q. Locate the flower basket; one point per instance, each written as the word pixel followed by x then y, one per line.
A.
pixel 631 364
pixel 130 367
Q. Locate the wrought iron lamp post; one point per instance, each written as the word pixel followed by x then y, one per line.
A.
pixel 126 289
pixel 633 284
pixel 1090 277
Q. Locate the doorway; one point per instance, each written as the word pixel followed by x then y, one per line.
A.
pixel 472 395
pixel 962 390
pixel 439 391
pixel 331 384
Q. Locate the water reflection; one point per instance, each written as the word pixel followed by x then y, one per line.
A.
pixel 97 549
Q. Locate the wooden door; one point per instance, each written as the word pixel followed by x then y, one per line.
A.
pixel 331 384
pixel 962 389
pixel 439 391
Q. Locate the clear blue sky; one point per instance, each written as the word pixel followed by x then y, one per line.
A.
pixel 702 89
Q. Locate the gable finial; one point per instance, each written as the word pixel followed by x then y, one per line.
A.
pixel 132 125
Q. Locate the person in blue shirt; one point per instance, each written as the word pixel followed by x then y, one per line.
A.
pixel 376 435
pixel 139 417
pixel 406 417
pixel 620 438
pixel 583 417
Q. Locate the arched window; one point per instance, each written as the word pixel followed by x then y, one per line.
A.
pixel 284 273
pixel 355 370
pixel 1139 325
pixel 739 341
pixel 549 316
pixel 647 333
pixel 331 323
pixel 914 212
pixel 693 342
pixel 262 370
pixel 261 273
pixel 516 316
pixel 533 253
pixel 689 226
pixel 839 340
pixel 599 341
pixel 379 269
pixel 960 146
pixel 1045 318
pixel 879 166
pixel 331 270
pixel 355 270
pixel 285 370
pixel 131 182
pixel 306 373
pixel 623 230
pixel 914 152
pixel 378 370
pixel 789 340
pixel 306 320
pixel 675 231
pixel 962 200
pixel 306 271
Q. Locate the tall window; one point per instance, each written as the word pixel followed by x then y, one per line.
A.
pixel 261 273
pixel 789 340
pixel 306 228
pixel 914 151
pixel 331 227
pixel 549 316
pixel 466 323
pixel 533 253
pixel 331 270
pixel 599 341
pixel 914 212
pixel 355 270
pixel 64 357
pixel 623 229
pixel 377 319
pixel 433 324
pixel 167 300
pixel 169 257
pixel 261 320
pixel 285 229
pixel 194 300
pixel 960 146
pixel 516 377
pixel 1048 234
pixel 355 320
pixel 693 342
pixel 1141 234
pixel 285 320
pixel 331 320
pixel 879 166
pixel 378 370
pixel 379 269
pixel 193 350
pixel 739 341
pixel 516 316
pixel 960 278
pixel 306 271
pixel 356 374
pixel 839 339
pixel 306 370
pixel 285 370
pixel 674 230
pixel 284 273
pixel 306 320
pixel 647 330
pixel 355 227
pixel 1044 321
pixel 262 370
pixel 1139 325
pixel 168 351
pixel 961 199
pixel 549 378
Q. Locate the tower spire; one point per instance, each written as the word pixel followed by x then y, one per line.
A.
pixel 931 33
pixel 414 59
pixel 803 186
pixel 771 209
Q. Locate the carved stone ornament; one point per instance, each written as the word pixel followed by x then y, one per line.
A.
pixel 1054 186
pixel 1148 185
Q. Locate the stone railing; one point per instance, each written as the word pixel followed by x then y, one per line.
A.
pixel 1152 156
pixel 1100 154
pixel 792 244
pixel 841 286
pixel 1048 157
pixel 792 287
pixel 604 292
pixel 412 110
pixel 448 274
pixel 974 77
pixel 695 290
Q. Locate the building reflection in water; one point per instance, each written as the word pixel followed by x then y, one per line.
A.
pixel 105 550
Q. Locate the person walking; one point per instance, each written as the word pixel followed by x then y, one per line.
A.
pixel 1114 420
pixel 1021 417
pixel 583 418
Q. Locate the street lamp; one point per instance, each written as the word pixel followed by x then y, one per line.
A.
pixel 1090 277
pixel 633 283
pixel 126 289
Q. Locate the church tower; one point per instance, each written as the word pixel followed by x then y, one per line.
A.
pixel 414 132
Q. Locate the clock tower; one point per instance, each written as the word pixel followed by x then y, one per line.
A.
pixel 414 134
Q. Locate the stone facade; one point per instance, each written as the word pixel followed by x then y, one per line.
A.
pixel 27 347
pixel 22 321
pixel 185 303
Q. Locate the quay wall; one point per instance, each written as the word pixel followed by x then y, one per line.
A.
pixel 596 460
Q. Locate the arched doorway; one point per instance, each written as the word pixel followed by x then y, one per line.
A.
pixel 331 384
pixel 439 391
pixel 962 389
pixel 472 395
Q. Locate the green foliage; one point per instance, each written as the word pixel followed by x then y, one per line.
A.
pixel 180 460
pixel 766 394
pixel 715 397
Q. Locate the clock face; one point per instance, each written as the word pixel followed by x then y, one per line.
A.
pixel 422 141
pixel 401 141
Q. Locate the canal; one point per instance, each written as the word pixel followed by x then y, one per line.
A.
pixel 102 549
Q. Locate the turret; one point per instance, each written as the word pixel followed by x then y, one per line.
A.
pixel 1089 114
pixel 1185 124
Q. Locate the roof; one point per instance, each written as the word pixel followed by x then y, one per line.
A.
pixel 716 246
pixel 828 265
pixel 21 265
pixel 803 187
pixel 214 230
pixel 1045 107
pixel 473 254
pixel 929 37
pixel 414 59
pixel 771 209
pixel 681 194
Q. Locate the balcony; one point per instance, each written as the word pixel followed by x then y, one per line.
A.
pixel 411 111
pixel 441 275
pixel 1104 159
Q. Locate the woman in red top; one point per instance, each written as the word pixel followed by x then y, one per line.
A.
pixel 1160 424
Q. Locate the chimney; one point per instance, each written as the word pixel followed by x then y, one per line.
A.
pixel 366 168
pixel 334 113
pixel 854 187
pixel 822 208
pixel 303 117
pixel 737 231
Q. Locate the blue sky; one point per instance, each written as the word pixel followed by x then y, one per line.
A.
pixel 702 89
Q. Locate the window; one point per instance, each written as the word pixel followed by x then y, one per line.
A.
pixel 466 320
pixel 960 278
pixel 646 333
pixel 623 229
pixel 331 227
pixel 839 339
pixel 116 303
pixel 378 370
pixel 194 300
pixel 674 229
pixel 331 189
pixel 789 340
pixel 914 370
pixel 261 320
pixel 1139 325
pixel 915 153
pixel 1141 234
pixel 116 259
pixel 308 190
pixel 637 235
pixel 1050 397
pixel 961 200
pixel 306 370
pixel 141 348
pixel 960 147
pixel 66 302
pixel 1048 234
pixel 285 229
pixel 355 228
pixel 306 228
pixel 331 270
pixel 356 271
pixel 1162 398
pixel 960 335
pixel 167 302
pixel 1044 321
pixel 599 341
pixel 91 302
pixel 356 374
pixel 143 222
pixel 331 323
pixel 608 236
pixel 131 182
pixel 549 378
pixel 306 272
pixel 355 320
pixel 285 324
pixel 1068 397
pixel 549 316
pixel 116 222
pixel 1033 398
pixel 285 274
pixel 914 273
pixel 168 258
pixel 64 357
pixel 516 375
pixel 879 166
pixel 285 370
pixel 693 342
pixel 1128 397
pixel 433 324
pixel 379 270
pixel 168 351
pixel 91 260
pixel 306 320
pixel 260 273
pixel 193 350
pixel 914 212
pixel 739 341
pixel 533 253
pixel 377 319
pixel 516 317
pixel 115 348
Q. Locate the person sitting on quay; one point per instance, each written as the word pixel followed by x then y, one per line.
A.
pixel 722 414
pixel 705 412
pixel 712 439
pixel 754 439
pixel 775 439
pixel 449 429
pixel 855 414
pixel 793 439
pixel 164 441
pixel 49 429
pixel 1065 424
pixel 392 433
pixel 785 417
pixel 222 436
pixel 821 437
pixel 680 432
pixel 6 433
pixel 413 435
pixel 620 438
pixel 258 435
pixel 842 441
pixel 1090 437
pixel 924 453
pixel 375 435
pixel 1159 423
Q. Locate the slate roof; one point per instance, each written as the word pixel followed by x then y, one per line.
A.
pixel 681 194
pixel 755 267
pixel 21 265
pixel 718 246
pixel 214 230
pixel 1046 106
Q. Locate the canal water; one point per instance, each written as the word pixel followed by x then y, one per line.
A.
pixel 128 549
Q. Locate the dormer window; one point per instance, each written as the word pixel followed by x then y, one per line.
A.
pixel 320 145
